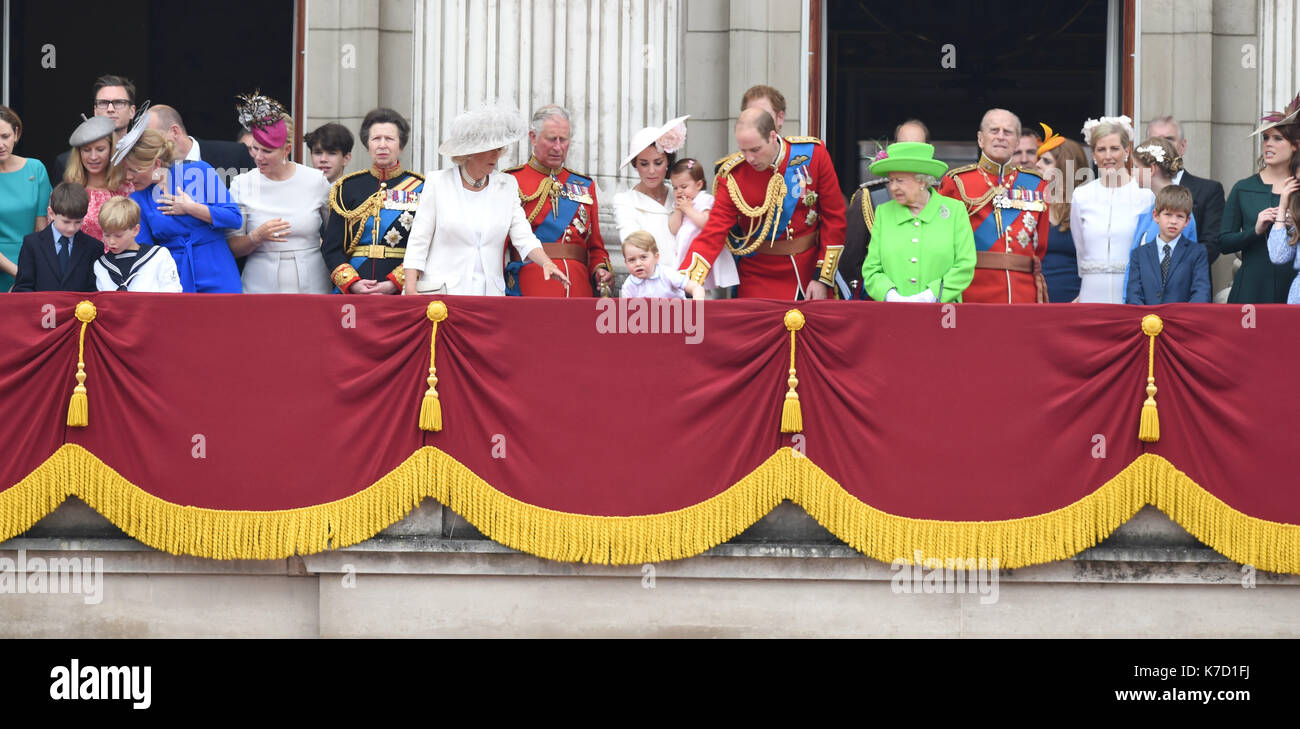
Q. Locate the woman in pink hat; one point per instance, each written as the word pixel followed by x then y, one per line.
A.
pixel 284 205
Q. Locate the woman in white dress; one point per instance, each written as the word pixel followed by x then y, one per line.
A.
pixel 467 211
pixel 285 204
pixel 648 205
pixel 1104 213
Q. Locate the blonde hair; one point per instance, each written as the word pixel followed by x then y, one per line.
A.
pixel 119 214
pixel 114 175
pixel 642 240
pixel 1105 129
pixel 152 146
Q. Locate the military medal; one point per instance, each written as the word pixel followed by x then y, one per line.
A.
pixel 811 218
pixel 406 219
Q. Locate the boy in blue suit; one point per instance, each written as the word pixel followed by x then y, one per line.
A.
pixel 60 257
pixel 1169 269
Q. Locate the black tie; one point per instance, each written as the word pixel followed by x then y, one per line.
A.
pixel 1164 266
pixel 65 256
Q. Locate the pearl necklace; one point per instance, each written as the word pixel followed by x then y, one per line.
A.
pixel 476 184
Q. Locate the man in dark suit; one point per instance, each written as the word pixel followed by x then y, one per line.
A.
pixel 1169 269
pixel 113 97
pixel 1208 194
pixel 227 158
pixel 60 257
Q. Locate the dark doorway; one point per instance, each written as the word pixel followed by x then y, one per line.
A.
pixel 1044 61
pixel 193 56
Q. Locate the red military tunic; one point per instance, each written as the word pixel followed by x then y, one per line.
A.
pixel 770 265
pixel 1008 213
pixel 578 250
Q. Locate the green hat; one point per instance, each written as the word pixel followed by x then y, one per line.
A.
pixel 915 157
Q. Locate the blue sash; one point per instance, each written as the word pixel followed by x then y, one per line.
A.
pixel 553 226
pixel 988 234
pixel 794 192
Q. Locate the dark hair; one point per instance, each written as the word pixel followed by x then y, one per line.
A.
pixel 1176 198
pixel 10 117
pixel 762 91
pixel 916 123
pixel 688 165
pixel 110 80
pixel 69 200
pixel 385 116
pixel 331 137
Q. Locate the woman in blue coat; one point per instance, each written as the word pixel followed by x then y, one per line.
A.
pixel 184 206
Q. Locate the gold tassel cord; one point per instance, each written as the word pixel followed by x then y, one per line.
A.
pixel 791 413
pixel 1149 428
pixel 79 407
pixel 430 408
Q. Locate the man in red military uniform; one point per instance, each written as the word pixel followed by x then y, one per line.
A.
pixel 561 206
pixel 779 208
pixel 1008 212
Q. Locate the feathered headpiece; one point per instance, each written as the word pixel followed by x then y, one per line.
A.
pixel 263 116
pixel 491 125
pixel 1051 140
pixel 668 138
pixel 1289 115
pixel 132 135
pixel 1123 122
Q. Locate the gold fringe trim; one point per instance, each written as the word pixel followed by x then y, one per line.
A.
pixel 430 473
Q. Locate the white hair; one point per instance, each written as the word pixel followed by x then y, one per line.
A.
pixel 545 114
pixel 927 181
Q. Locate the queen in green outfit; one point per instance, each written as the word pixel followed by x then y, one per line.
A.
pixel 922 248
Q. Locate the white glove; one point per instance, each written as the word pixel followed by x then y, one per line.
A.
pixel 893 295
pixel 925 297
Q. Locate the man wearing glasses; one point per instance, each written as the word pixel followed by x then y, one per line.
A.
pixel 115 99
pixel 1008 212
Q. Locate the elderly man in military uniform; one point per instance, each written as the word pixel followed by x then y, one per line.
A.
pixel 1008 212
pixel 562 208
pixel 371 212
pixel 779 208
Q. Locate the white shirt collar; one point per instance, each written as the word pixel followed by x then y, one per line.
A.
pixel 1161 243
pixel 193 154
pixel 1178 177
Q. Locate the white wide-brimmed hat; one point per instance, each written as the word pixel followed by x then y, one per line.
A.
pixel 667 138
pixel 487 127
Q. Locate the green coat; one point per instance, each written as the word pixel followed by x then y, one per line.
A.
pixel 934 250
pixel 1259 280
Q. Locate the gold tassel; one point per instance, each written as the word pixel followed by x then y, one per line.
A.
pixel 79 407
pixel 791 413
pixel 1149 428
pixel 430 408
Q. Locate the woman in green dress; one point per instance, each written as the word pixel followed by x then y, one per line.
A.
pixel 1253 207
pixel 922 247
pixel 24 196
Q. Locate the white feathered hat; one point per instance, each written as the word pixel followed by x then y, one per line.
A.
pixel 668 138
pixel 490 126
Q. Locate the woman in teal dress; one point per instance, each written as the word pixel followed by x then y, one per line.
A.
pixel 1252 210
pixel 24 196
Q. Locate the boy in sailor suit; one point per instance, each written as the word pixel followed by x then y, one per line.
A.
pixel 129 266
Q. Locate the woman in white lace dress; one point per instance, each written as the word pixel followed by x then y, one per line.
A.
pixel 1104 213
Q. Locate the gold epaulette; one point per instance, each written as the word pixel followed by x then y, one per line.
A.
pixel 805 140
pixel 415 174
pixel 516 168
pixel 335 204
pixel 959 170
pixel 1033 172
pixel 728 163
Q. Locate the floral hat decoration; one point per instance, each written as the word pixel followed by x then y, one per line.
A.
pixel 1123 122
pixel 128 140
pixel 667 139
pixel 264 117
pixel 1288 115
pixel 1051 140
